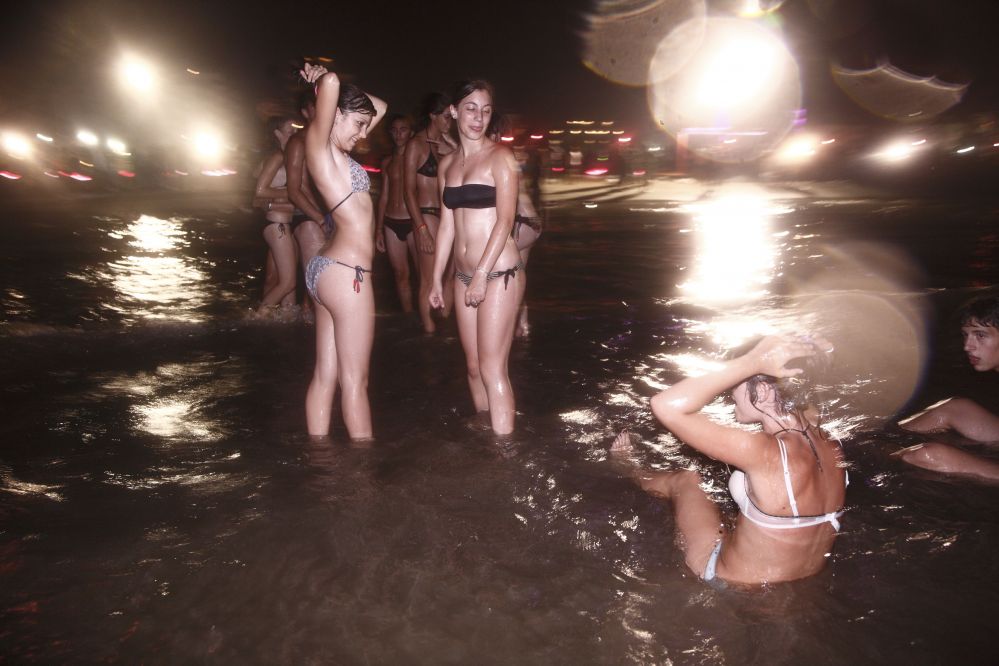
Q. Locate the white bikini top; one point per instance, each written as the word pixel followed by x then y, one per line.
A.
pixel 280 178
pixel 738 487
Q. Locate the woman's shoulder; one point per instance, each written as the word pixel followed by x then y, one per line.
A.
pixel 502 157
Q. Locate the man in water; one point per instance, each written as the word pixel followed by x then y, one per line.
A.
pixel 980 328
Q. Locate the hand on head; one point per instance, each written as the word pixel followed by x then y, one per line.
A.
pixel 774 352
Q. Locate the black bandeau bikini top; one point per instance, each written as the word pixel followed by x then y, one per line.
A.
pixel 473 195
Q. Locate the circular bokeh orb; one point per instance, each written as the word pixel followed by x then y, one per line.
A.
pixel 623 35
pixel 734 99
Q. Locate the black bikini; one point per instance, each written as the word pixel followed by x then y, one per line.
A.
pixel 400 227
pixel 429 168
pixel 472 195
pixel 477 195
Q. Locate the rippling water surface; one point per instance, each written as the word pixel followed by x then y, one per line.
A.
pixel 161 503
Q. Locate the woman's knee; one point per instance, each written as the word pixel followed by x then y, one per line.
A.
pixel 473 369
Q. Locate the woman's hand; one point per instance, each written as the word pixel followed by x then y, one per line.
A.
pixel 436 297
pixel 425 239
pixel 312 73
pixel 476 291
pixel 773 353
pixel 380 239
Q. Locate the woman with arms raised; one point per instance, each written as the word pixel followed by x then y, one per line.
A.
pixel 345 313
pixel 478 185
pixel 790 481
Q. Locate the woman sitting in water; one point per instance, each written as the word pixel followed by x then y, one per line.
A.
pixel 345 312
pixel 790 483
pixel 479 190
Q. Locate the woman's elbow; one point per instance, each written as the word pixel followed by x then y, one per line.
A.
pixel 661 408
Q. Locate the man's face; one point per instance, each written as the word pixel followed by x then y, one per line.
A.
pixel 981 344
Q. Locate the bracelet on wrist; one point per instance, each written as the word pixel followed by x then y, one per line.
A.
pixel 421 226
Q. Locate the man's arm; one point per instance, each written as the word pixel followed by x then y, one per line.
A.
pixel 298 190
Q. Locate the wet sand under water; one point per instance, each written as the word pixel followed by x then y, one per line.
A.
pixel 160 502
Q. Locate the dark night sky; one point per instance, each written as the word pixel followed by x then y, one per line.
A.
pixel 530 49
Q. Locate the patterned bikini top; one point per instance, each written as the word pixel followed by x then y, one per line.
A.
pixel 359 181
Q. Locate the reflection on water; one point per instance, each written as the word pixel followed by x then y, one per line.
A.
pixel 157 483
pixel 172 418
pixel 163 282
pixel 736 255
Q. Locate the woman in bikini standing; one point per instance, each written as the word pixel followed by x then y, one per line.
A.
pixel 272 196
pixel 345 313
pixel 790 483
pixel 526 223
pixel 478 185
pixel 421 158
pixel 397 240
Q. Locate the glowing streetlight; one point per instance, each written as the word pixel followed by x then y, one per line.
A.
pixel 87 138
pixel 137 74
pixel 16 145
pixel 116 146
pixel 207 144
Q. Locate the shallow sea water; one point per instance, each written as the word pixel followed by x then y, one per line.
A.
pixel 160 502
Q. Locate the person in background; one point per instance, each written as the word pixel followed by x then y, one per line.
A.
pixel 397 240
pixel 271 195
pixel 421 159
pixel 980 329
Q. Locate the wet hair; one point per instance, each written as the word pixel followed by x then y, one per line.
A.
pixel 463 89
pixel 983 311
pixel 792 395
pixel 353 99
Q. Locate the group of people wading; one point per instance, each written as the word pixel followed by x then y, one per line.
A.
pixel 456 207
pixel 452 206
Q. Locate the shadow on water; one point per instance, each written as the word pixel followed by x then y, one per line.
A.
pixel 160 502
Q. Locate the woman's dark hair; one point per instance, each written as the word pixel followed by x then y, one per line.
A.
pixel 497 123
pixel 463 89
pixel 434 103
pixel 983 311
pixel 791 394
pixel 353 99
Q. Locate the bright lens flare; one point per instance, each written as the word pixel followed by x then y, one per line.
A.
pixel 16 145
pixel 740 81
pixel 137 74
pixel 739 70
